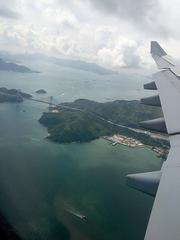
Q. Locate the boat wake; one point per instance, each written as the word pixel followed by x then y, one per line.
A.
pixel 76 214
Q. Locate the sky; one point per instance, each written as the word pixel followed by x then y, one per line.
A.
pixel 112 33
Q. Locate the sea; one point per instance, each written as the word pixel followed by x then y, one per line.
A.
pixel 46 186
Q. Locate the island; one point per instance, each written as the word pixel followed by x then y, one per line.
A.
pixel 13 67
pixel 41 91
pixel 12 95
pixel 84 120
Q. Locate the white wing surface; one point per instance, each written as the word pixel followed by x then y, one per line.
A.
pixel 164 222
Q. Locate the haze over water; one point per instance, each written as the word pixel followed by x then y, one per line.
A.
pixel 41 180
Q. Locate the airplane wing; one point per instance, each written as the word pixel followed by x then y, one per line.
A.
pixel 164 222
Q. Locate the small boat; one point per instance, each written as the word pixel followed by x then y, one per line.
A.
pixel 84 218
pixel 78 215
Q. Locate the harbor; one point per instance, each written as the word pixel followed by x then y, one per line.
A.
pixel 120 139
pixel 131 142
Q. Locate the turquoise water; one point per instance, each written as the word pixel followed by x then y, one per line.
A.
pixel 41 180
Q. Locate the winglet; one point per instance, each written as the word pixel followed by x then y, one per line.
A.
pixel 157 50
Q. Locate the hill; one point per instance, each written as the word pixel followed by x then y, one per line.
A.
pixel 84 122
pixel 128 113
pixel 72 126
pixel 13 67
pixel 12 95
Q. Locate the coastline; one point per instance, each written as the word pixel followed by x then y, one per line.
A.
pixel 133 143
pixel 123 140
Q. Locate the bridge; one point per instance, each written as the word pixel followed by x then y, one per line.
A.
pixel 58 105
pixel 96 115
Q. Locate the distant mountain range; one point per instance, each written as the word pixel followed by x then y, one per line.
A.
pixel 63 62
pixel 13 67
pixel 82 65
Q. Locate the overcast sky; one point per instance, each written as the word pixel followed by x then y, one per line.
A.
pixel 114 33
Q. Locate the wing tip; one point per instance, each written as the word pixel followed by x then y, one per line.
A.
pixel 156 49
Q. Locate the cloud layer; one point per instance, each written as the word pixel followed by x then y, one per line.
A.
pixel 136 11
pixel 114 33
pixel 8 13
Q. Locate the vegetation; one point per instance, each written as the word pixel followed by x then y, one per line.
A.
pixel 72 126
pixel 12 95
pixel 86 124
pixel 128 113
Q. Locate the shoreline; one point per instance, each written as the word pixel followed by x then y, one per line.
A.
pixel 123 140
pixel 134 143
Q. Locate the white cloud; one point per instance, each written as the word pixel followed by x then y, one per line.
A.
pixel 112 33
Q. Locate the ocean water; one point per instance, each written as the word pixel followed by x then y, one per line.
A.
pixel 67 84
pixel 42 183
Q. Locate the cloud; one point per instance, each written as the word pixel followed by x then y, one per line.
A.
pixel 131 58
pixel 8 13
pixel 143 14
pixel 117 34
pixel 130 9
pixel 9 9
pixel 57 31
pixel 123 55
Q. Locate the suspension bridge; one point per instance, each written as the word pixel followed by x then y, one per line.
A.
pixel 50 102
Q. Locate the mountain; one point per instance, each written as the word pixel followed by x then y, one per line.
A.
pixel 60 61
pixel 83 65
pixel 13 67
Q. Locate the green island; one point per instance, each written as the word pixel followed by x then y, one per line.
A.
pixel 12 95
pixel 84 120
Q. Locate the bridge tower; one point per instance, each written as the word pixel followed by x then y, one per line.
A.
pixel 19 97
pixel 50 103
